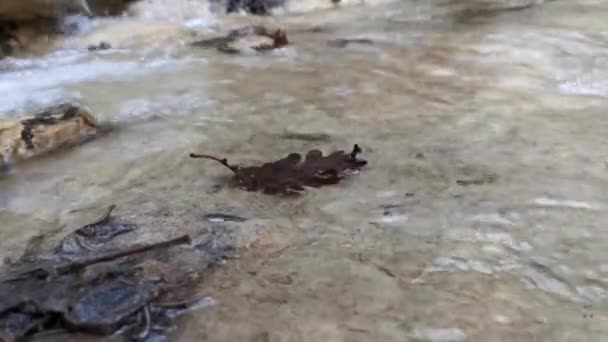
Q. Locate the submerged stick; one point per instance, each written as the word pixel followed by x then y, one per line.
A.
pixel 223 161
pixel 44 271
pixel 76 265
pixel 145 332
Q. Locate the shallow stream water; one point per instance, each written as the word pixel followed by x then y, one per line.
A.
pixel 482 215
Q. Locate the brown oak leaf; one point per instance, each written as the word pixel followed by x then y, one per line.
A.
pixel 291 174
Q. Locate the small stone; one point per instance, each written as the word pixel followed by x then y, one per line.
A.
pixel 100 46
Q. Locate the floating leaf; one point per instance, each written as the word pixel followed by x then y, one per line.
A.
pixel 291 174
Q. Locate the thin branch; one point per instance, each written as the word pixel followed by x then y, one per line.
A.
pixel 45 270
pixel 74 266
pixel 223 161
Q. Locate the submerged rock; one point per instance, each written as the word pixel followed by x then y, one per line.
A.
pixel 8 38
pixel 26 24
pixel 108 7
pixel 100 309
pixel 26 10
pixel 54 127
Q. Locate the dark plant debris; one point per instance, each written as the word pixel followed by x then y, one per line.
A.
pixel 482 180
pixel 126 291
pixel 88 237
pixel 344 42
pixel 316 137
pixel 291 174
pixel 100 46
pixel 275 39
pixel 8 38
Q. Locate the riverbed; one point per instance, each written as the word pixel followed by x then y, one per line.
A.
pixel 481 215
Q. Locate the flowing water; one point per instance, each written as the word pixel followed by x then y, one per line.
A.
pixel 482 215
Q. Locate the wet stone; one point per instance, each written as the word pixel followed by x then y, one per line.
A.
pixel 8 39
pixel 102 308
pixel 44 131
pixel 13 325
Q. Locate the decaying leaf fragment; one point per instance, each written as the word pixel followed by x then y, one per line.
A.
pixel 291 174
pixel 255 37
pixel 87 237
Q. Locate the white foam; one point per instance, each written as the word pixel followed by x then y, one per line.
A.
pixel 163 106
pixel 443 264
pixel 492 218
pixel 443 334
pixel 394 218
pixel 591 88
pixel 550 202
pixel 45 81
pixel 193 12
pixel 316 5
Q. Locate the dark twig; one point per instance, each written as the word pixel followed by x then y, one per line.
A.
pixel 74 266
pixel 80 264
pixel 223 161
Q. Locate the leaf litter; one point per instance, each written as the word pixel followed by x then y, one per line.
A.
pixel 104 290
pixel 87 285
